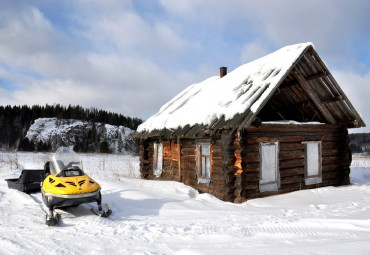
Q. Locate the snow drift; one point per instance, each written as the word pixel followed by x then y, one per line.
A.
pixel 157 217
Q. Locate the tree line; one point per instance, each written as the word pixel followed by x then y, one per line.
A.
pixel 16 120
pixel 359 142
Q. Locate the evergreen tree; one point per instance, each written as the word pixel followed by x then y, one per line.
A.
pixel 104 147
pixel 26 145
pixel 120 142
pixel 16 120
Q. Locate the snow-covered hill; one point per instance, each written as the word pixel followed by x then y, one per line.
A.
pixel 61 132
pixel 159 217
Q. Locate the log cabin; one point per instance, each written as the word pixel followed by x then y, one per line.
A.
pixel 275 125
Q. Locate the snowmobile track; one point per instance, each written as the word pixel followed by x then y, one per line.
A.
pixel 305 231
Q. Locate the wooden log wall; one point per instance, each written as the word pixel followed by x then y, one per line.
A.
pixel 335 156
pixel 144 159
pixel 222 164
pixel 219 182
pixel 171 155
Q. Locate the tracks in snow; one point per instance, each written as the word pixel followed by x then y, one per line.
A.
pixel 305 230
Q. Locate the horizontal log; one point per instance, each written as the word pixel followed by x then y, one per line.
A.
pixel 248 177
pixel 257 140
pixel 291 139
pixel 283 128
pixel 331 182
pixel 332 137
pixel 291 171
pixel 330 152
pixel 218 171
pixel 330 168
pixel 185 158
pixel 190 151
pixel 292 186
pixel 292 179
pixel 331 175
pixel 251 148
pixel 252 157
pixel 217 162
pixel 290 155
pixel 188 146
pixel 251 167
pixel 295 163
pixel 332 160
pixel 291 146
pixel 217 154
pixel 217 157
pixel 251 186
pixel 218 182
pixel 329 145
pixel 187 167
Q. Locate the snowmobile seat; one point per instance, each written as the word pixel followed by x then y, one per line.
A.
pixel 29 181
pixel 47 169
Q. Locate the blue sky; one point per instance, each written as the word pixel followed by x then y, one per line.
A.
pixel 132 57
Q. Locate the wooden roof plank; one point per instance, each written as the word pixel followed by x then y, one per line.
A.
pixel 335 84
pixel 311 93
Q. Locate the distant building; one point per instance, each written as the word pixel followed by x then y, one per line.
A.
pixel 275 125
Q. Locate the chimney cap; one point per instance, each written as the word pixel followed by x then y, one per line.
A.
pixel 223 71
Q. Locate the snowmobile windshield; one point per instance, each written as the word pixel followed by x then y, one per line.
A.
pixel 66 161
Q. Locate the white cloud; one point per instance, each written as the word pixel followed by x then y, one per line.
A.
pixel 111 55
pixel 252 51
pixel 115 74
pixel 357 89
pixel 334 27
pixel 126 33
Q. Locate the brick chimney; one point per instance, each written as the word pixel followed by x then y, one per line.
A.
pixel 223 71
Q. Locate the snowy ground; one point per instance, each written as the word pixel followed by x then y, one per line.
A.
pixel 153 217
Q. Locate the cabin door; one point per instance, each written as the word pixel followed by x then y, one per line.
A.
pixel 269 167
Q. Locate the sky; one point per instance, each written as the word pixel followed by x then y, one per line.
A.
pixel 131 57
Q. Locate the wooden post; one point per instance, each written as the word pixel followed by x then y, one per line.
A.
pixel 179 158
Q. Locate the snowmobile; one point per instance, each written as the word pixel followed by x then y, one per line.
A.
pixel 66 184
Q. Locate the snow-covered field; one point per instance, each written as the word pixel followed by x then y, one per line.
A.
pixel 153 217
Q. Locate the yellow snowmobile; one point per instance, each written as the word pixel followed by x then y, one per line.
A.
pixel 66 184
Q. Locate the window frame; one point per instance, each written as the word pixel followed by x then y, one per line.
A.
pixel 157 166
pixel 312 179
pixel 265 186
pixel 199 166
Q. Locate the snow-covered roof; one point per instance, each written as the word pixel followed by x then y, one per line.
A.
pixel 244 88
pixel 238 95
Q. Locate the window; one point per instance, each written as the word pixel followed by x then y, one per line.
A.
pixel 204 162
pixel 312 171
pixel 269 167
pixel 158 159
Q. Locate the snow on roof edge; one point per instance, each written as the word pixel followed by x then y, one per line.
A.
pixel 246 87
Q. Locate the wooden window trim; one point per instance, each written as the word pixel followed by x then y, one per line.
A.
pixel 313 179
pixel 156 171
pixel 274 185
pixel 199 156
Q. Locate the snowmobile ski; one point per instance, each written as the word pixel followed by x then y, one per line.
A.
pixel 52 221
pixel 106 213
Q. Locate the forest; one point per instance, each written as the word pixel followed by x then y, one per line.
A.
pixel 359 142
pixel 16 120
